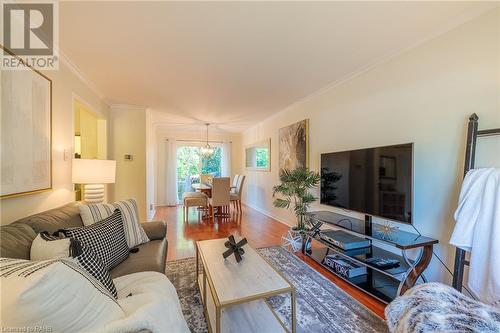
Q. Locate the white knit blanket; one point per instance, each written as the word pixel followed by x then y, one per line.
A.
pixel 150 302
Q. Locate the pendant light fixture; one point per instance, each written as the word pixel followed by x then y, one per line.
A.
pixel 207 151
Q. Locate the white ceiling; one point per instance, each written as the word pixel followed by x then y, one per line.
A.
pixel 236 63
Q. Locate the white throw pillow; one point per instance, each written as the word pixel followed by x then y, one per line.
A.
pixel 134 233
pixel 45 247
pixel 56 294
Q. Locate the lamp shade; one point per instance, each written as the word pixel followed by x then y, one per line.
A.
pixel 93 171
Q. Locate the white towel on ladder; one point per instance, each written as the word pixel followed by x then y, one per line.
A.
pixel 477 230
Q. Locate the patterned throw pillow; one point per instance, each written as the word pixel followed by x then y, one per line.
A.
pixel 134 233
pixel 58 294
pixel 105 238
pixel 92 264
pixel 46 247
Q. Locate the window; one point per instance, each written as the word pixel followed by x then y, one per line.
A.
pixel 212 165
pixel 190 165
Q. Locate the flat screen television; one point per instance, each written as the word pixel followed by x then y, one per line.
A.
pixel 374 181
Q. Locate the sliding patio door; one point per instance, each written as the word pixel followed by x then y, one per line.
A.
pixel 190 164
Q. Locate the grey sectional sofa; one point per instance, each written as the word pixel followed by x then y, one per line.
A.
pixel 16 239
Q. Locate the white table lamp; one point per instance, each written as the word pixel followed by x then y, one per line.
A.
pixel 93 174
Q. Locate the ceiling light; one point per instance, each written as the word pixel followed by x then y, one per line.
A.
pixel 207 151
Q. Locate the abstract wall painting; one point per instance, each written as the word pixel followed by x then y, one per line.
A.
pixel 26 153
pixel 294 146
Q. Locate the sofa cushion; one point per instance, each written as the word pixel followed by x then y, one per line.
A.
pixel 15 240
pixel 150 257
pixel 67 216
pixel 106 238
pixel 134 233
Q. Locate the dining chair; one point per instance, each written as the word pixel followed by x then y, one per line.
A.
pixel 235 183
pixel 220 197
pixel 236 196
pixel 194 199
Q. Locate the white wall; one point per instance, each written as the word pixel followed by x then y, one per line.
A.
pixel 128 137
pixel 161 148
pixel 65 86
pixel 423 96
pixel 150 165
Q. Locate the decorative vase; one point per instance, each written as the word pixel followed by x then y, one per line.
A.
pixel 292 240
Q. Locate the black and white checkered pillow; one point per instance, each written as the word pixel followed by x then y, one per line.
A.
pixel 105 238
pixel 55 247
pixel 134 232
pixel 92 264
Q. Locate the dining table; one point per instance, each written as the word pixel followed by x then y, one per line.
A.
pixel 203 188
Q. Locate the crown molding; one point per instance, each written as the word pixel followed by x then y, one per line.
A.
pixel 461 19
pixel 93 87
pixel 118 106
pixel 80 75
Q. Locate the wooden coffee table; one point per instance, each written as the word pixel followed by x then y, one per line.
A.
pixel 234 295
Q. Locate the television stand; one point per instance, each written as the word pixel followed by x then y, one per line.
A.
pixel 383 284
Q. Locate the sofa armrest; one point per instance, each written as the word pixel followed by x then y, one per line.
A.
pixel 155 229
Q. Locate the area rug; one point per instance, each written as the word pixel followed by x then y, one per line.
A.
pixel 321 305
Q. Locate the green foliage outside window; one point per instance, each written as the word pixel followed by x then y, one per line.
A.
pixel 261 157
pixel 212 165
pixel 189 164
pixel 188 159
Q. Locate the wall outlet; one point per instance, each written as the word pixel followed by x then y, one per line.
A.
pixel 128 157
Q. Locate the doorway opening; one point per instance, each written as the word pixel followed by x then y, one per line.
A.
pixel 90 135
pixel 190 165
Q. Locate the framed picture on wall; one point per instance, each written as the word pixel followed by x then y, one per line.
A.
pixel 26 131
pixel 294 146
pixel 258 156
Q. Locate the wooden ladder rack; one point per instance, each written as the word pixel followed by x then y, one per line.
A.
pixel 470 154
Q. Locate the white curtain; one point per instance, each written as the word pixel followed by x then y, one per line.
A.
pixel 171 173
pixel 226 159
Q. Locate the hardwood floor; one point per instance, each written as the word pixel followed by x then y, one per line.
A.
pixel 260 231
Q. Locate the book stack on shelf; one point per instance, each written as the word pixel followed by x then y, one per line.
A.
pixel 351 245
pixel 344 267
pixel 361 256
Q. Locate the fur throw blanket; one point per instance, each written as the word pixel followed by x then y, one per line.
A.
pixel 435 307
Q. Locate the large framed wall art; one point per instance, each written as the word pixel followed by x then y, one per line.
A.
pixel 26 131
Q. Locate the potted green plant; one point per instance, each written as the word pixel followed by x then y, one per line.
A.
pixel 294 189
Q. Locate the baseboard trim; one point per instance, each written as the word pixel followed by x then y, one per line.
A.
pixel 266 213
